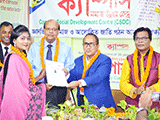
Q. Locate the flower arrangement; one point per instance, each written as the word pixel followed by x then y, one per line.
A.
pixel 135 63
pixel 157 9
pixel 42 50
pixel 69 111
pixel 1 65
pixel 130 111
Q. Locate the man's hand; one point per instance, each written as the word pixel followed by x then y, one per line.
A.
pixel 42 74
pixel 65 71
pixel 73 84
pixel 48 86
pixel 139 90
pixel 145 99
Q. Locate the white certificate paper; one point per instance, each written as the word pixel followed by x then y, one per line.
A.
pixel 55 75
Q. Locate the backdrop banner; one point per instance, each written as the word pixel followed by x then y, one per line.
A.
pixel 105 18
pixel 14 11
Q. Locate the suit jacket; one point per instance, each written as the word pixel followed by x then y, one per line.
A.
pixel 1 55
pixel 97 78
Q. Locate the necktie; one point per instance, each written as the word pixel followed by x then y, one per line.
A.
pixel 48 57
pixel 49 52
pixel 6 48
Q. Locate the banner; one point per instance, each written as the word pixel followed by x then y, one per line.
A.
pixel 14 11
pixel 105 18
pixel 117 51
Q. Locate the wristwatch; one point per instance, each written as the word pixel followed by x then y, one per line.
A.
pixel 141 109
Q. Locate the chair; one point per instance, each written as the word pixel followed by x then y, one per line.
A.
pixel 118 96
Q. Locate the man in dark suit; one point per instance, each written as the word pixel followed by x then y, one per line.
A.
pixel 5 33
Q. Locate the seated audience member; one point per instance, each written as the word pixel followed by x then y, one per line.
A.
pixel 91 75
pixel 141 69
pixel 20 98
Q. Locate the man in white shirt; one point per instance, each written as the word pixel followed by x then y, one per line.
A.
pixel 51 48
pixel 5 33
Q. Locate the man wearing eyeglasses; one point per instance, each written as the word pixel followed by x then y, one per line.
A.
pixel 91 75
pixel 141 69
pixel 51 48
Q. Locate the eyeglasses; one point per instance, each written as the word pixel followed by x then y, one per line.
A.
pixel 53 29
pixel 85 44
pixel 142 38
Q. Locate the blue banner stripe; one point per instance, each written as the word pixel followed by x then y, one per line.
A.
pixel 35 7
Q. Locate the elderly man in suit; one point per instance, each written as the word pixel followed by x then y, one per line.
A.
pixel 5 33
pixel 91 74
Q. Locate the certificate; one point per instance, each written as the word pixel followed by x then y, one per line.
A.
pixel 54 73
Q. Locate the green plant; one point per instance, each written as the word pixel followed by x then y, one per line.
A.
pixel 50 108
pixel 68 111
pixel 130 111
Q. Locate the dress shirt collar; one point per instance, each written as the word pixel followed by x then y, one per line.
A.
pixel 9 46
pixel 146 54
pixel 87 61
pixel 53 43
pixel 5 46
